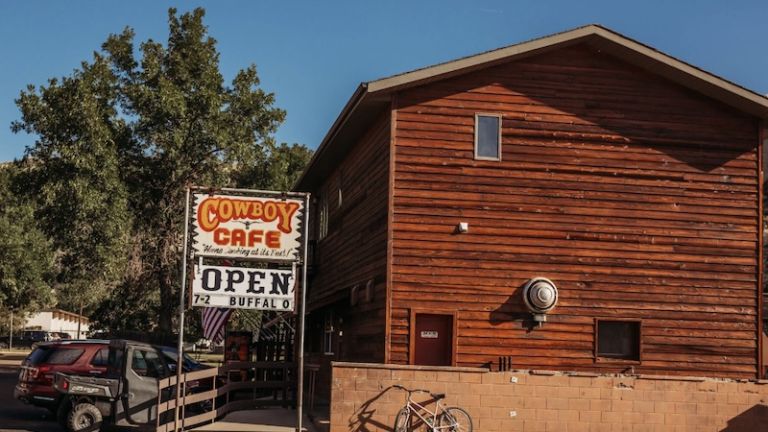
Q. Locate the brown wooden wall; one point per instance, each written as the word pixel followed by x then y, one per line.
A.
pixel 637 197
pixel 354 251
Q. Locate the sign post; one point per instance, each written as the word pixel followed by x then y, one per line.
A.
pixel 259 230
pixel 180 345
pixel 302 314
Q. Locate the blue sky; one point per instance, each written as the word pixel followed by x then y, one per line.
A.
pixel 312 54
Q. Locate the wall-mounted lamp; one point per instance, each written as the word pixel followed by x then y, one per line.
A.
pixel 462 227
pixel 540 297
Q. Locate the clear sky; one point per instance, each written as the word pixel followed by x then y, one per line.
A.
pixel 312 54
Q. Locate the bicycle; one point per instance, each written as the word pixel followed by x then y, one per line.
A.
pixel 442 419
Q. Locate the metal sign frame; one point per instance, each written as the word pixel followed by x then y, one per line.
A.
pixel 301 261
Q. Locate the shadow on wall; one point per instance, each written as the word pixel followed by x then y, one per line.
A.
pixel 753 419
pixel 362 420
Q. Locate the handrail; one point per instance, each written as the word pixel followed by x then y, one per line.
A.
pixel 166 424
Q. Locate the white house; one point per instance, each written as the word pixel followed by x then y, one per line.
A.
pixel 57 320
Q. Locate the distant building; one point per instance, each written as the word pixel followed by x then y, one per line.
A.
pixel 57 320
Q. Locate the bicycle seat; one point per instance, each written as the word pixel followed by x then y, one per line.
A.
pixel 438 396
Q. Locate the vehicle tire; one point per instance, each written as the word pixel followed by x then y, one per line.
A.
pixel 403 421
pixel 84 417
pixel 455 419
pixel 62 412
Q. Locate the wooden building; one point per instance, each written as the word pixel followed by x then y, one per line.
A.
pixel 628 178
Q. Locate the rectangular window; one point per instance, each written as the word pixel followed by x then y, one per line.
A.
pixel 322 228
pixel 618 340
pixel 328 333
pixel 488 136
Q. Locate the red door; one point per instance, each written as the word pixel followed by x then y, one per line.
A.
pixel 433 340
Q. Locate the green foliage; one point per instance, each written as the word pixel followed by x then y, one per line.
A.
pixel 118 142
pixel 26 255
pixel 73 174
pixel 279 171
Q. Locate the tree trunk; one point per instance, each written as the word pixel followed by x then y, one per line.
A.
pixel 168 301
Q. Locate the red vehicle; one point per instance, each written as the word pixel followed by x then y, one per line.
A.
pixel 77 357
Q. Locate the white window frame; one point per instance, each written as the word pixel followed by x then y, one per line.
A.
pixel 477 124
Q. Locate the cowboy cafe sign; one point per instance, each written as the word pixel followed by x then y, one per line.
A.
pixel 260 227
pixel 247 248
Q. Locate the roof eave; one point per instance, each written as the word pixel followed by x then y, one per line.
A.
pixel 348 109
pixel 614 43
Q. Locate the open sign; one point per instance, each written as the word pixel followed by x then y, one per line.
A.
pixel 247 288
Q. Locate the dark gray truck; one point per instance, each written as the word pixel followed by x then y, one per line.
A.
pixel 126 396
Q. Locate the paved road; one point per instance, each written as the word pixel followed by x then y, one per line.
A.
pixel 17 416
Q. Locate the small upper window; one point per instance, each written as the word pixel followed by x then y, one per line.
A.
pixel 618 340
pixel 488 136
pixel 322 228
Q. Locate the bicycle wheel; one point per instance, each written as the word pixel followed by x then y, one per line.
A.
pixel 403 421
pixel 455 419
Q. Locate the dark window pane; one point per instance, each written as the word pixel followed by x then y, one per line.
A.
pixel 101 358
pixel 63 356
pixel 617 339
pixel 487 137
pixel 147 364
pixel 138 364
pixel 38 355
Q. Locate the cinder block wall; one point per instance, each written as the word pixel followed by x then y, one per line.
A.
pixel 362 400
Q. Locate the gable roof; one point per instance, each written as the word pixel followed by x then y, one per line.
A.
pixel 370 98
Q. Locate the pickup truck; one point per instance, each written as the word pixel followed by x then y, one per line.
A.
pixel 125 396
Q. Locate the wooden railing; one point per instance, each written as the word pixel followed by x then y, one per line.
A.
pixel 226 391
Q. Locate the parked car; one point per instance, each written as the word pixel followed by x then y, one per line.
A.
pixel 78 357
pixel 127 394
pixel 31 337
pixel 60 336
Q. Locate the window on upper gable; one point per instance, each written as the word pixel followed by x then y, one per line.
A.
pixel 488 136
pixel 322 229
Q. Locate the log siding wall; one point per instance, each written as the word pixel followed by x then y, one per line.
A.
pixel 637 197
pixel 354 250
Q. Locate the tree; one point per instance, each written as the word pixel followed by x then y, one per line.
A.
pixel 73 172
pixel 122 138
pixel 26 255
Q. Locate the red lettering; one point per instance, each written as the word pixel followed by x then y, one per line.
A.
pixel 243 238
pixel 255 237
pixel 273 239
pixel 238 237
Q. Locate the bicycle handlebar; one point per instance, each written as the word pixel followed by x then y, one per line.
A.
pixel 398 386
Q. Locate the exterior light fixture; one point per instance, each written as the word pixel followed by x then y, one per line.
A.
pixel 540 297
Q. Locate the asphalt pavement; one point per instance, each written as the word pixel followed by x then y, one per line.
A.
pixel 17 416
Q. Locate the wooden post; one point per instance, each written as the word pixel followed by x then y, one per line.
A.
pixel 180 347
pixel 79 319
pixel 10 339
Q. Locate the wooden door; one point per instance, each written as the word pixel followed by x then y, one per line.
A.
pixel 433 340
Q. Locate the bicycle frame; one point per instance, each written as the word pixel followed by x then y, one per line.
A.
pixel 414 407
